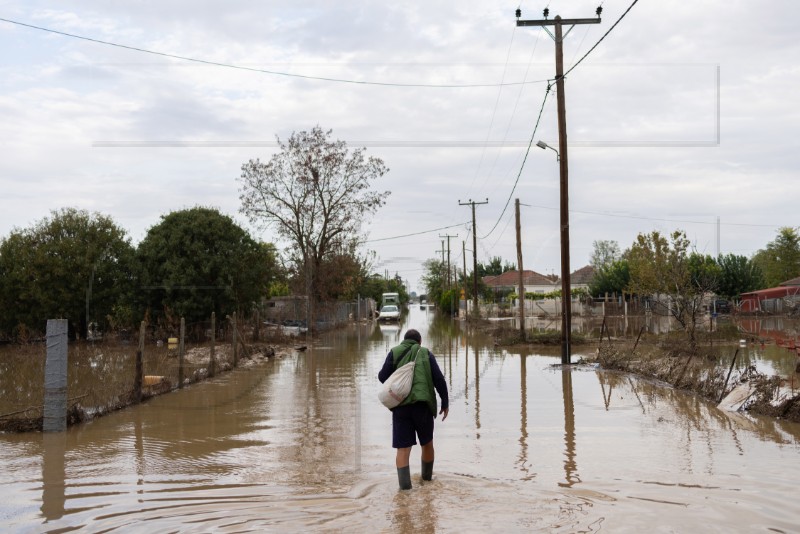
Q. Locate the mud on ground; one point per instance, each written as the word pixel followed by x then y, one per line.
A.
pixel 702 374
pixel 669 360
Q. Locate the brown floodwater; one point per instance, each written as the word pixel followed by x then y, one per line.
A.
pixel 301 443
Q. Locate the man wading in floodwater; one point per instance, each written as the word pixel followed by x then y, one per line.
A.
pixel 416 413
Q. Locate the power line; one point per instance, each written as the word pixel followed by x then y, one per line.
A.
pixel 601 39
pixel 513 112
pixel 265 71
pixel 527 151
pixel 416 233
pixel 642 217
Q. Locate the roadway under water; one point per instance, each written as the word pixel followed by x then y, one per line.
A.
pixel 301 443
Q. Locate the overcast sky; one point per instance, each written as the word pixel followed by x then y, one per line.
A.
pixel 685 113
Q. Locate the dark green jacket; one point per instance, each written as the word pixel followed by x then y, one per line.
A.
pixel 422 389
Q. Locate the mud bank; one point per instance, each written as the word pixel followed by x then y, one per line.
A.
pixel 703 374
pixel 673 365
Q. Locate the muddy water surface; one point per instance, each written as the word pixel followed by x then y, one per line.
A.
pixel 301 443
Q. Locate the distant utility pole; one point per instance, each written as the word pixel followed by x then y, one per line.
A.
pixel 472 203
pixel 521 292
pixel 441 251
pixel 448 257
pixel 464 257
pixel 566 286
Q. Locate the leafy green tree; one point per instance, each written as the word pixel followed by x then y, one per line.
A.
pixel 495 267
pixel 612 278
pixel 780 260
pixel 339 276
pixel 738 275
pixel 197 261
pixel 317 194
pixel 448 302
pixel 604 254
pixel 661 268
pixel 704 271
pixel 73 265
pixel 434 279
pixel 376 285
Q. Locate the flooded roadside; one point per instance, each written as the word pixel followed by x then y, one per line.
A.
pixel 301 443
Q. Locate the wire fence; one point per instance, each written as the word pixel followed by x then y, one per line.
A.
pixel 126 367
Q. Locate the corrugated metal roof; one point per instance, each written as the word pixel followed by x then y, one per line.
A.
pixel 772 293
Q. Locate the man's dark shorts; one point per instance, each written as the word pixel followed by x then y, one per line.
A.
pixel 409 420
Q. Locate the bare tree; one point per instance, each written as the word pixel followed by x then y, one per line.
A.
pixel 316 194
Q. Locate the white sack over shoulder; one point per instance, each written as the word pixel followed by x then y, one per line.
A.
pixel 398 386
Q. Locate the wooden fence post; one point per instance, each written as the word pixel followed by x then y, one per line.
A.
pixel 725 385
pixel 180 353
pixel 212 363
pixel 55 377
pixel 137 379
pixel 235 338
pixel 256 327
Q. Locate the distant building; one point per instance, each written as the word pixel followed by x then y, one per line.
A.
pixel 581 278
pixel 792 282
pixel 537 283
pixel 770 300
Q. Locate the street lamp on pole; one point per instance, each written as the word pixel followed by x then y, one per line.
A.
pixel 566 283
pixel 543 145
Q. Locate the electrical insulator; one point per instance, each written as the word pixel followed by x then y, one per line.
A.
pixel 599 10
pixel 546 12
pixel 519 12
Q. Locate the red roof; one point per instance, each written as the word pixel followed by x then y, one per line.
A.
pixel 792 282
pixel 771 293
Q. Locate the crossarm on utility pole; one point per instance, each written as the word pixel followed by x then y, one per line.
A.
pixel 566 285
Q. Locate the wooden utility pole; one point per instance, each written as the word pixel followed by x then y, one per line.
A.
pixel 464 257
pixel 448 256
pixel 521 292
pixel 472 203
pixel 441 251
pixel 566 286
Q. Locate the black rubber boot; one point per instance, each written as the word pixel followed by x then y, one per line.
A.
pixel 404 477
pixel 427 470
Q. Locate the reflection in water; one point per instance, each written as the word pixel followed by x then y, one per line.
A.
pixel 139 445
pixel 477 396
pixel 606 398
pixel 523 415
pixel 570 465
pixel 53 474
pixel 293 445
pixel 416 511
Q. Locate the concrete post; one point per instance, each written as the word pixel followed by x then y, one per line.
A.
pixel 55 377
